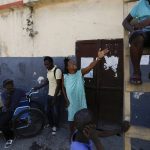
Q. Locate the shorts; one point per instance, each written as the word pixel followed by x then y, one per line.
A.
pixel 145 34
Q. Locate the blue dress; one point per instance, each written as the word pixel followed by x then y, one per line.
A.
pixel 74 85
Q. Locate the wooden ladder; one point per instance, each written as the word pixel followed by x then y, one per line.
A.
pixel 134 131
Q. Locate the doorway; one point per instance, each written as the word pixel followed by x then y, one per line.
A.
pixel 104 84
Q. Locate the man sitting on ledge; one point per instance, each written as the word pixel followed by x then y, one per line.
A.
pixel 139 35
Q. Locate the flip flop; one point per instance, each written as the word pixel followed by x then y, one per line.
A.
pixel 8 144
pixel 136 79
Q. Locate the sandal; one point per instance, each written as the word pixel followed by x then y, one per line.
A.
pixel 8 144
pixel 136 79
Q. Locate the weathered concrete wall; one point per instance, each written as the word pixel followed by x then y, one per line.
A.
pixel 25 71
pixel 59 26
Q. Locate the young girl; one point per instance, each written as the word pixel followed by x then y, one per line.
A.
pixel 73 86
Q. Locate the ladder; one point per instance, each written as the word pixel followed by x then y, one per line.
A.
pixel 134 131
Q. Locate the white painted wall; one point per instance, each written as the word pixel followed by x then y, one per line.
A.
pixel 59 26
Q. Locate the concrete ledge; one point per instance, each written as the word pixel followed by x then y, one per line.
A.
pixel 145 87
pixel 139 133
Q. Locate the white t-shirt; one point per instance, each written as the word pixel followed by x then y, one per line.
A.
pixel 52 80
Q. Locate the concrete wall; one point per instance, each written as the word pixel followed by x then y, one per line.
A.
pixel 59 26
pixel 26 72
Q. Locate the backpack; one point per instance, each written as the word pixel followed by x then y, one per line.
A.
pixel 55 77
pixel 55 72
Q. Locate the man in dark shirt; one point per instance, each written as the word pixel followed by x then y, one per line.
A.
pixel 10 99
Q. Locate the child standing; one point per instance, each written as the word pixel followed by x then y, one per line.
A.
pixel 73 86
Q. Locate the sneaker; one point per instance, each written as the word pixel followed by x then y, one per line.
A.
pixel 54 129
pixel 46 126
pixel 8 143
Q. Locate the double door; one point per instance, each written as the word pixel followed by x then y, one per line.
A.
pixel 104 84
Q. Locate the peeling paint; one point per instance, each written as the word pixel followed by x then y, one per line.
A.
pixel 111 63
pixel 137 95
pixel 40 79
pixel 34 74
pixel 5 15
pixel 30 24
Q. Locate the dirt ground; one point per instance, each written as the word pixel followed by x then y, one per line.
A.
pixel 45 141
